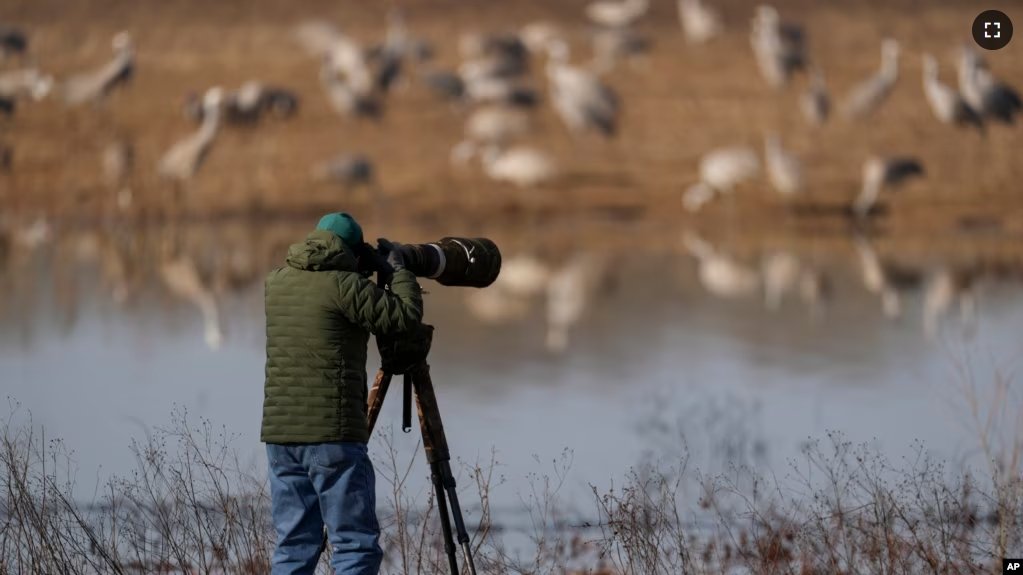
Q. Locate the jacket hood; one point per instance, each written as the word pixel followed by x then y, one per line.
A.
pixel 321 250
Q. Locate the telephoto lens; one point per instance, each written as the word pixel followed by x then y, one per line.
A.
pixel 466 262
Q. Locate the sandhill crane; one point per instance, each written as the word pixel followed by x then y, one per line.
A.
pixel 784 170
pixel 349 170
pixel 720 171
pixel 616 13
pixel 496 125
pixel 719 273
pixel 867 96
pixel 181 278
pixel 249 104
pixel 948 106
pixel 94 86
pixel 492 56
pixel 183 159
pixel 522 166
pixel 345 97
pixel 24 83
pixel 778 47
pixel 985 93
pixel 612 45
pixel 490 125
pixel 12 41
pixel 343 55
pixel 569 292
pixel 580 99
pixel 880 174
pixel 814 103
pixel 700 23
pixel 539 36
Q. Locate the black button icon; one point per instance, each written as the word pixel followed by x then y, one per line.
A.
pixel 992 30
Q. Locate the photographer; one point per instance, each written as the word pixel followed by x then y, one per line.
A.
pixel 320 309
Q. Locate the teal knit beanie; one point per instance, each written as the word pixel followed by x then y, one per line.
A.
pixel 344 226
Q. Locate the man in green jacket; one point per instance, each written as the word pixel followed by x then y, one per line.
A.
pixel 320 310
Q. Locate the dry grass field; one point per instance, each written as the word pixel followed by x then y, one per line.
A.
pixel 678 102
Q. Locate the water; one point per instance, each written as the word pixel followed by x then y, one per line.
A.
pixel 652 347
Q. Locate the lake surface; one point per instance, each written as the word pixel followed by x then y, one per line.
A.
pixel 98 356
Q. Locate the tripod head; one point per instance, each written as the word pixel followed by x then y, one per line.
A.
pixel 399 353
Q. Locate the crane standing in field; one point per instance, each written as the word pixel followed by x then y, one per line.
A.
pixel 985 93
pixel 948 106
pixel 721 170
pixel 579 98
pixel 96 85
pixel 867 96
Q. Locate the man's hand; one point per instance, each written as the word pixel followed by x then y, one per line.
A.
pixel 390 250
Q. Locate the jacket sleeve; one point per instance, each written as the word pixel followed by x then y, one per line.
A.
pixel 380 311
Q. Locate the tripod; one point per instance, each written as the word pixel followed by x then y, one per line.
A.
pixel 407 355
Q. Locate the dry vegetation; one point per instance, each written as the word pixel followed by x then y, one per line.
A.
pixel 191 507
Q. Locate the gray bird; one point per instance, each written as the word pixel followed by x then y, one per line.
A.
pixel 779 47
pixel 880 174
pixel 985 93
pixel 867 96
pixel 948 105
pixel 350 170
pixel 12 41
pixel 815 103
pixel 183 159
pixel 347 98
pixel 96 85
pixel 580 99
pixel 249 104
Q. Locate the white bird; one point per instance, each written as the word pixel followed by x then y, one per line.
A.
pixel 942 290
pixel 880 174
pixel 719 273
pixel 876 278
pixel 345 97
pixel 27 82
pixel 538 36
pixel 612 45
pixel 522 166
pixel 784 170
pixel 700 23
pixel 580 99
pixel 181 278
pixel 721 170
pixel 183 159
pixel 497 125
pixel 867 96
pixel 778 47
pixel 94 86
pixel 814 103
pixel 616 13
pixel 338 51
pixel 781 272
pixel 948 106
pixel 569 293
pixel 349 170
pixel 985 93
pixel 522 278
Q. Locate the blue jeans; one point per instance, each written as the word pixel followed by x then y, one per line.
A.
pixel 317 484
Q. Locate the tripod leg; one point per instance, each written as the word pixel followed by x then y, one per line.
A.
pixel 376 397
pixel 436 446
pixel 448 479
pixel 445 520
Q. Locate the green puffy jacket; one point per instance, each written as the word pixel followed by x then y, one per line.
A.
pixel 319 314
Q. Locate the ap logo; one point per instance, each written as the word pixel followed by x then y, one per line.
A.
pixel 1012 566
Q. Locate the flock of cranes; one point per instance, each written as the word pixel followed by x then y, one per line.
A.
pixel 496 91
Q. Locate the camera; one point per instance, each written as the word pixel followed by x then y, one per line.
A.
pixel 451 261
